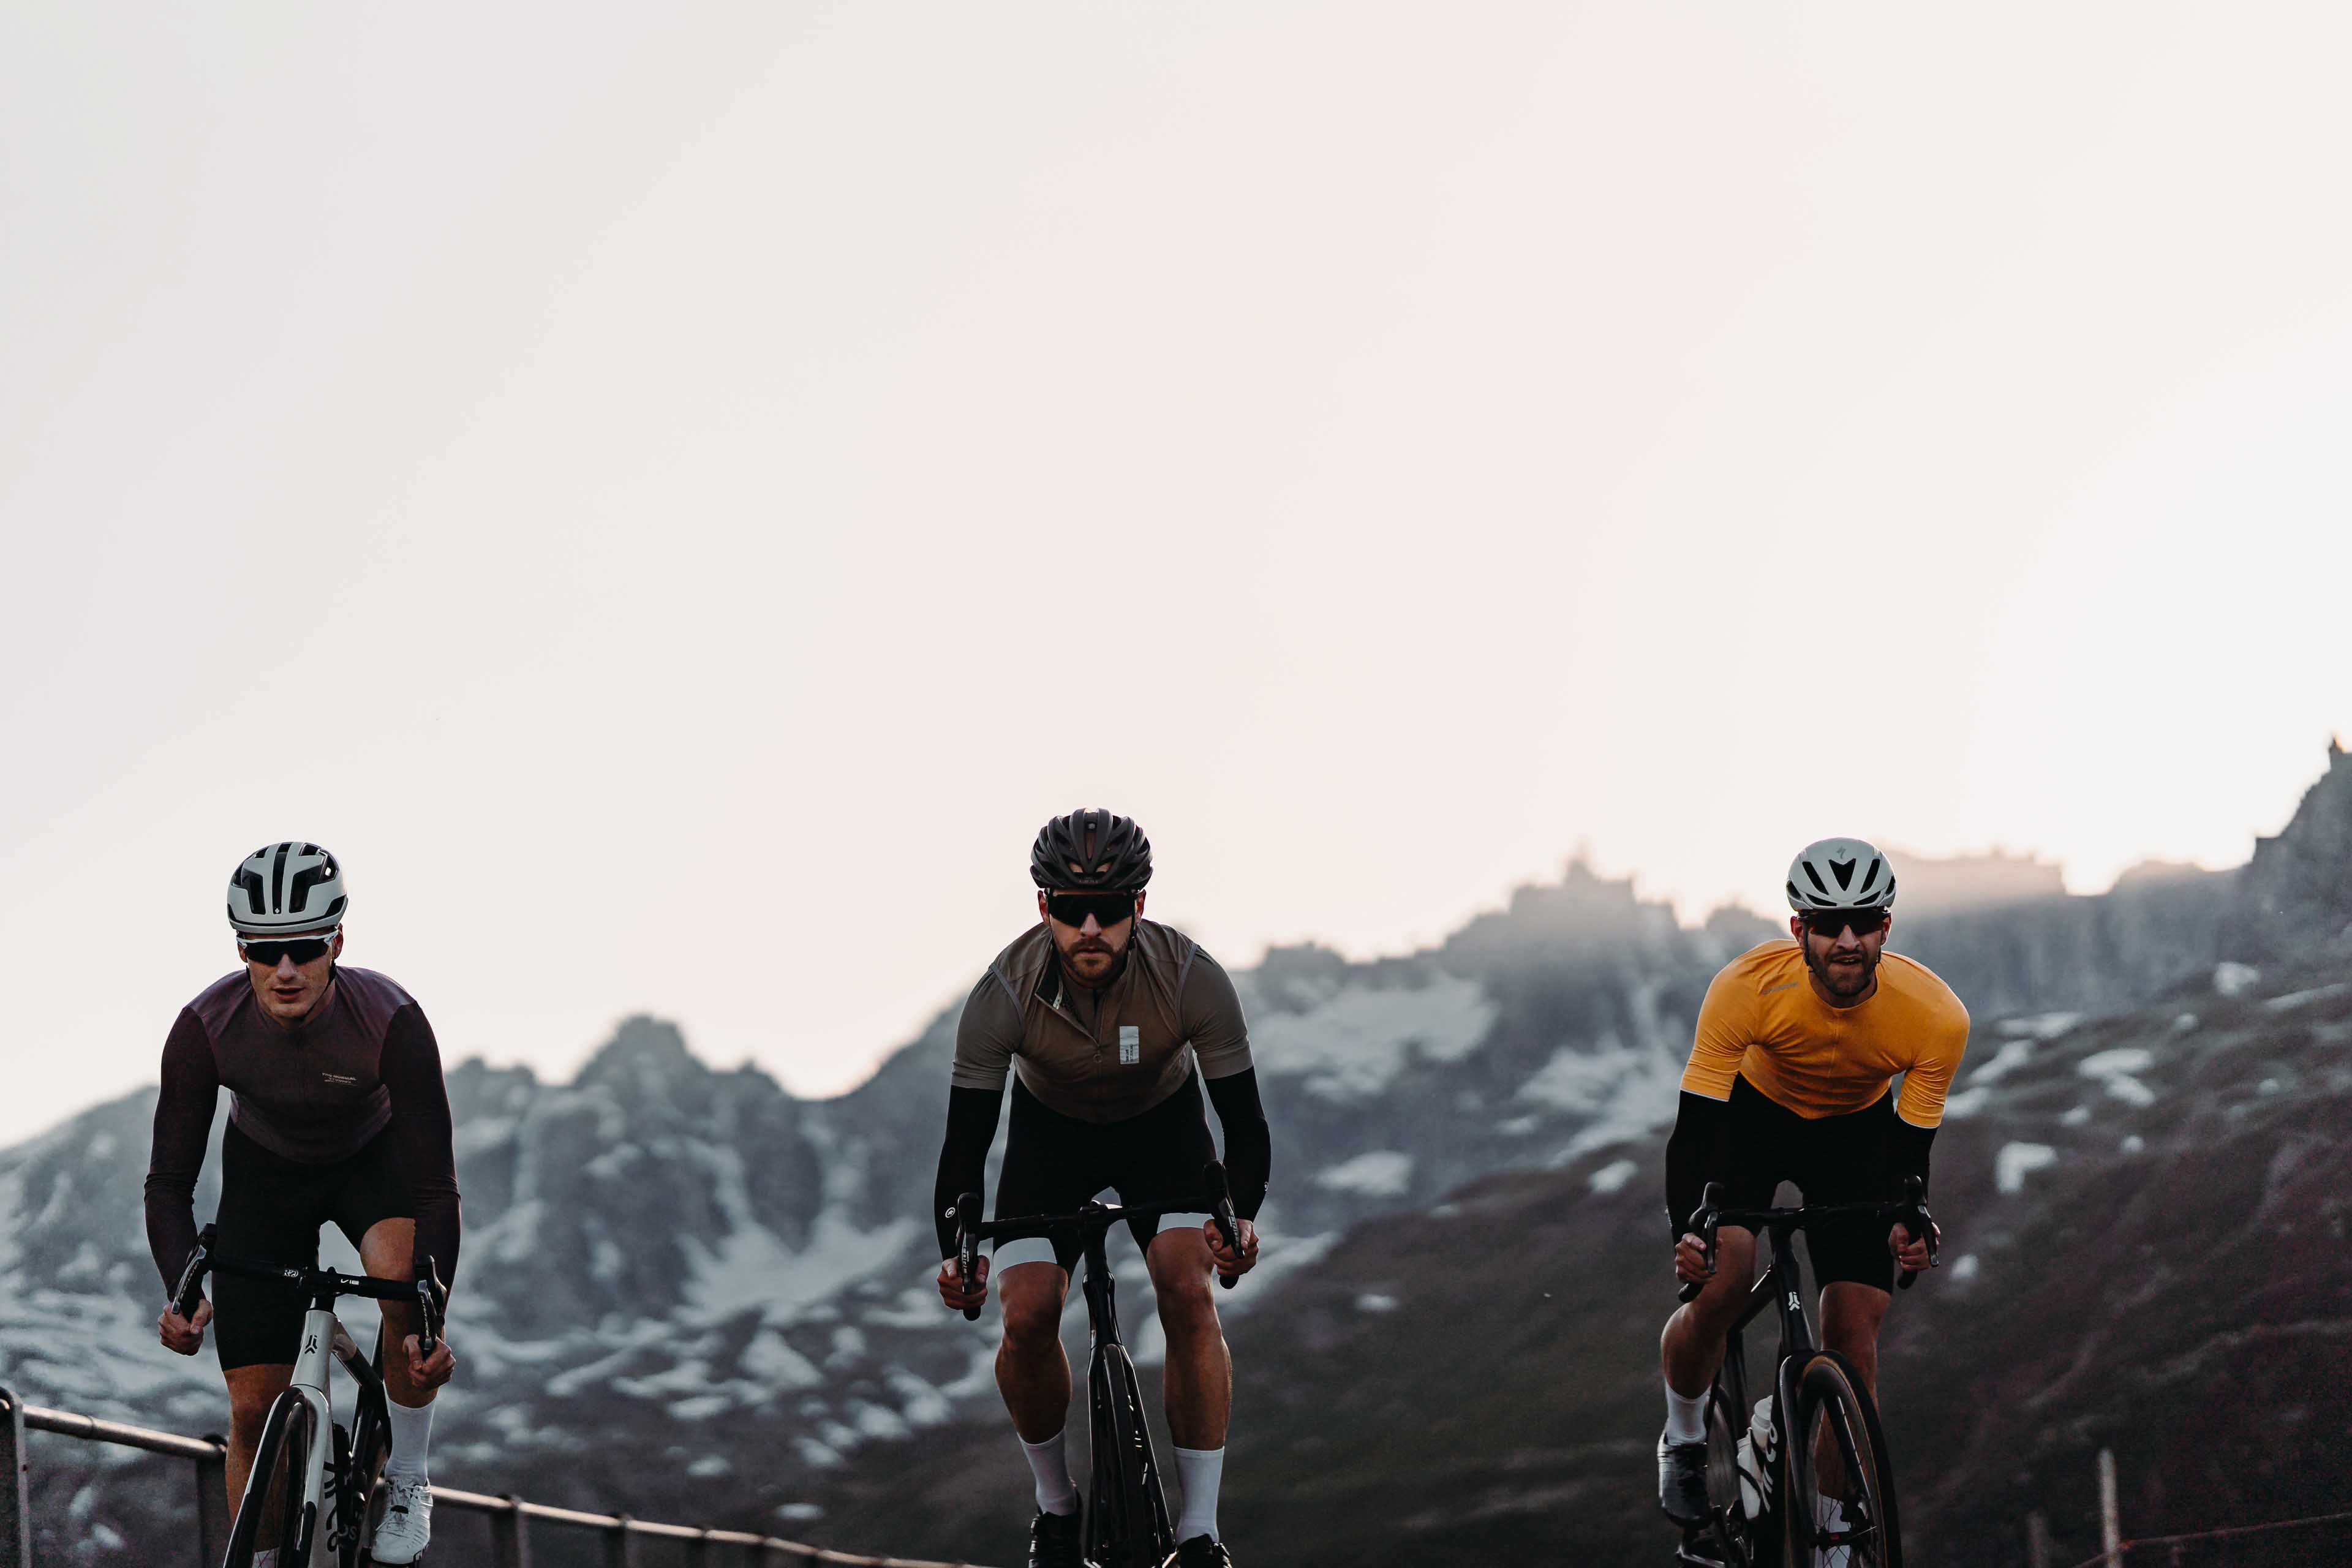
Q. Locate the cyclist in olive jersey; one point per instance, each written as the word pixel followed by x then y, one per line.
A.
pixel 337 1111
pixel 1797 1046
pixel 1101 1017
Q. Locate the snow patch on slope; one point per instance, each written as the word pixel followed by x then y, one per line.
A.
pixel 1383 1173
pixel 1354 1045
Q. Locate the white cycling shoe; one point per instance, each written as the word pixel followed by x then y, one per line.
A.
pixel 407 1526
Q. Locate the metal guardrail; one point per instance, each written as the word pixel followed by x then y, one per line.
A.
pixel 510 1516
pixel 2214 1545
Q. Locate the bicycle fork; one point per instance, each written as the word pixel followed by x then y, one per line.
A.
pixel 1127 1513
pixel 319 1333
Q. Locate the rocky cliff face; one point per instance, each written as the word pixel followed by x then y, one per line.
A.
pixel 689 1294
pixel 2295 894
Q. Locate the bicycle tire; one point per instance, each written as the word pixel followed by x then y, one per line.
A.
pixel 273 1504
pixel 1727 1421
pixel 1825 1393
pixel 358 1503
pixel 1127 1514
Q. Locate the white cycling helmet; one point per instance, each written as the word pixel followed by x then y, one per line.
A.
pixel 283 889
pixel 1840 874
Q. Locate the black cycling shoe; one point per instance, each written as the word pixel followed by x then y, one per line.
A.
pixel 1054 1540
pixel 1682 1481
pixel 1200 1552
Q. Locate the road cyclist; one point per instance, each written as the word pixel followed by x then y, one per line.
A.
pixel 338 1113
pixel 314 1481
pixel 1107 1024
pixel 1126 1513
pixel 1790 1077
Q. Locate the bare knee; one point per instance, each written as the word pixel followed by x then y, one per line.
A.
pixel 1851 1317
pixel 1714 1310
pixel 1180 1266
pixel 1187 1311
pixel 1031 1299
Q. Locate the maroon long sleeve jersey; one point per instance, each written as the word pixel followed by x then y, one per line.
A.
pixel 313 1094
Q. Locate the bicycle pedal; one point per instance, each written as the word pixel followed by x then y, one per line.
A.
pixel 1698 1551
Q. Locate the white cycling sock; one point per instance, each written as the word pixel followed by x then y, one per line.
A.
pixel 1685 1418
pixel 266 1559
pixel 1200 1470
pixel 412 1433
pixel 1049 1461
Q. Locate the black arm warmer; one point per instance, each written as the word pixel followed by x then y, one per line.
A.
pixel 963 1158
pixel 1249 1144
pixel 410 1067
pixel 1907 1150
pixel 1698 1152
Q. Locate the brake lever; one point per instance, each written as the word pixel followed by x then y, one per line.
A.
pixel 1704 1222
pixel 1916 1221
pixel 967 1218
pixel 430 1294
pixel 1221 1209
pixel 190 1287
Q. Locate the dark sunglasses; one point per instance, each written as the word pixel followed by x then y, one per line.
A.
pixel 1830 923
pixel 1109 909
pixel 301 949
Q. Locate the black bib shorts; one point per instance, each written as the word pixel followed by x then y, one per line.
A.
pixel 272 1207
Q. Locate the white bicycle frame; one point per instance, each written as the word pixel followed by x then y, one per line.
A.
pixel 323 1337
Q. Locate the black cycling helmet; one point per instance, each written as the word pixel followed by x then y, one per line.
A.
pixel 1091 851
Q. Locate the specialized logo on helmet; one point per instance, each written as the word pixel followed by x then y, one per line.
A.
pixel 286 886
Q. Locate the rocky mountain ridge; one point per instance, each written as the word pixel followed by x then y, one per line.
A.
pixel 689 1294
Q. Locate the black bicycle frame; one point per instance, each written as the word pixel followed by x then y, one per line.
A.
pixel 1117 1535
pixel 1781 1285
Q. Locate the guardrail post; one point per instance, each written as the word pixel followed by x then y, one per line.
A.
pixel 620 1546
pixel 510 1536
pixel 698 1552
pixel 15 1501
pixel 2037 1540
pixel 2111 1534
pixel 213 1520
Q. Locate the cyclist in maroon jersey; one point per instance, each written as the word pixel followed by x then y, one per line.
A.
pixel 336 1113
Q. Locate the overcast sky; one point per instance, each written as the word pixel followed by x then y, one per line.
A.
pixel 675 496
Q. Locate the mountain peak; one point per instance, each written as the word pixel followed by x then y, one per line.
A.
pixel 2297 889
pixel 644 1052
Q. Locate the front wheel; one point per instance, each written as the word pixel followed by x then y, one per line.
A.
pixel 1728 1529
pixel 1126 1516
pixel 360 1475
pixel 1838 1497
pixel 273 1515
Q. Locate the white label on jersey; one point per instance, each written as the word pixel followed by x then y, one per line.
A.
pixel 1131 1045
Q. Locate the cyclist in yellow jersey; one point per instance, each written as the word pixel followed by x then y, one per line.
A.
pixel 1790 1078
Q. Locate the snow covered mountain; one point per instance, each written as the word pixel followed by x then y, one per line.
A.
pixel 691 1295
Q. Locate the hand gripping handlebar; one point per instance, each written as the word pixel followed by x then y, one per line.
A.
pixel 967 1218
pixel 1221 1209
pixel 1703 1222
pixel 1916 1221
pixel 190 1287
pixel 1910 1212
pixel 430 1295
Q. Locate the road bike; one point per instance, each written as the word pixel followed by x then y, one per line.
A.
pixel 314 1483
pixel 1764 1489
pixel 1127 1521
